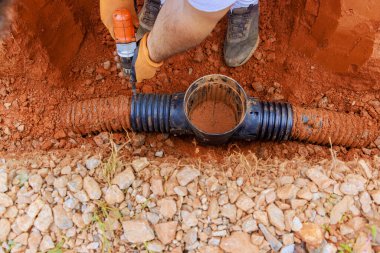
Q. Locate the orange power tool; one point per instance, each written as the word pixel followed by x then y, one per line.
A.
pixel 124 33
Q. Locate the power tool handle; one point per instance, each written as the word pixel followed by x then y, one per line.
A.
pixel 124 31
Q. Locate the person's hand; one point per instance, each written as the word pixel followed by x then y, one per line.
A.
pixel 107 7
pixel 142 66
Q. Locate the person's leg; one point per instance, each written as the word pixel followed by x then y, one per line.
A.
pixel 242 38
pixel 180 25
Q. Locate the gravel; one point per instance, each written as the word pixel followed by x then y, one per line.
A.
pixel 171 205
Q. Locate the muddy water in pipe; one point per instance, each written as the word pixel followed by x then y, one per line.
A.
pixel 213 117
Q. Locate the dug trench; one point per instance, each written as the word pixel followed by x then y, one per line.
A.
pixel 52 62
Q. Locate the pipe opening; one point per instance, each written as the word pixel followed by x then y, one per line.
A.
pixel 215 105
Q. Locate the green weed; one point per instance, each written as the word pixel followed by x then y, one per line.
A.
pixel 100 216
pixel 345 248
pixel 58 247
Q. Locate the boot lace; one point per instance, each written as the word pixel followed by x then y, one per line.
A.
pixel 238 24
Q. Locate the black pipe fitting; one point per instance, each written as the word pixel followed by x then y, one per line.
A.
pixel 257 120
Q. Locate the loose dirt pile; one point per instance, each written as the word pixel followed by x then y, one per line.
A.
pixel 213 117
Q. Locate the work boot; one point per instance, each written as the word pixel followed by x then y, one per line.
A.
pixel 147 17
pixel 242 36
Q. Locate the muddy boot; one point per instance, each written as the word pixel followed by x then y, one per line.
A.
pixel 147 17
pixel 242 36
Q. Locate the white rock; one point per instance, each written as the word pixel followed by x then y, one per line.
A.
pixel 276 217
pixel 233 193
pixel 60 182
pixel 257 239
pixel 114 195
pixel 81 196
pixel 357 180
pixel 168 207
pixel 155 246
pixel 189 219
pixel 186 175
pixel 213 208
pixel 318 177
pixel 297 203
pixel 140 164
pixel 156 186
pixel 44 219
pixel 35 181
pixel 288 239
pixel 180 191
pixel 288 249
pixel 239 181
pixel 274 243
pixel 166 231
pixel 153 218
pixel 92 188
pixel 285 180
pixel 93 245
pixel 46 243
pixel 365 201
pixel 249 225
pixel 137 231
pixel 305 193
pixel 92 163
pixel 245 203
pixel 5 228
pixel 190 237
pixel 214 241
pixel 288 191
pixel 66 170
pixel 229 211
pixel 5 200
pixel 34 241
pixel 24 222
pixel 340 208
pixel 376 196
pixel 75 184
pixel 261 217
pixel 70 203
pixel 270 196
pixel 220 233
pixel 3 181
pixel 124 179
pixel 329 248
pixel 362 244
pixel 35 208
pixel 61 219
pixel 238 242
pixel 296 224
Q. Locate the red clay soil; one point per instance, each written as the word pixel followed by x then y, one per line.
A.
pixel 54 52
pixel 323 127
pixel 213 117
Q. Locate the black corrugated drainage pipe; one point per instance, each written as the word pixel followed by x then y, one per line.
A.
pixel 251 119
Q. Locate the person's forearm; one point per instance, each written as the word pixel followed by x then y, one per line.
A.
pixel 179 27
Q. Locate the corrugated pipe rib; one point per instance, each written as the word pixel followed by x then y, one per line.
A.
pixel 150 113
pixel 256 120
